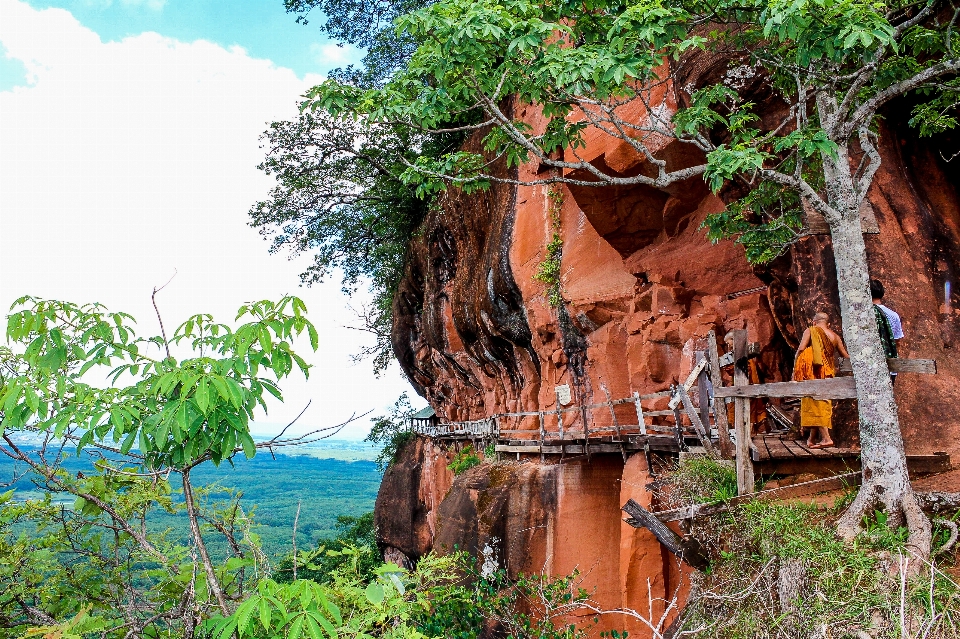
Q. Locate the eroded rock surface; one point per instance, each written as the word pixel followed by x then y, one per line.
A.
pixel 542 519
pixel 642 288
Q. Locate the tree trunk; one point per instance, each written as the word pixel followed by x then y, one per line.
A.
pixel 885 479
pixel 213 584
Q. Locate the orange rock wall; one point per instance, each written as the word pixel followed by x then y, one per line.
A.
pixel 642 287
pixel 542 519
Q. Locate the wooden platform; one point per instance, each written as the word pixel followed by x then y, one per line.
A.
pixel 783 455
pixel 598 445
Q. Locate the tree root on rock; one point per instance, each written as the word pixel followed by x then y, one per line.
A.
pixel 902 508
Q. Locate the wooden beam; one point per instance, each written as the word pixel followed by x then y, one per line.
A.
pixel 787 492
pixel 698 425
pixel 688 384
pixel 687 549
pixel 703 394
pixel 899 365
pixel 831 388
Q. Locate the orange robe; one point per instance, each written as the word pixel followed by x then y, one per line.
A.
pixel 815 362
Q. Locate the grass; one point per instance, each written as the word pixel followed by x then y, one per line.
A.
pixel 779 570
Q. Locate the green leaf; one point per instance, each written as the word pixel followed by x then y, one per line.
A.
pixel 374 593
pixel 249 447
pixel 296 628
pixel 202 395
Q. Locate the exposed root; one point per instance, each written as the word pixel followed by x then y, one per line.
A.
pixel 946 523
pixel 902 509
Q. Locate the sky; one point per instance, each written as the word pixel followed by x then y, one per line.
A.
pixel 129 141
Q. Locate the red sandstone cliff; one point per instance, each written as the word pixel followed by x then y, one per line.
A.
pixel 536 519
pixel 643 287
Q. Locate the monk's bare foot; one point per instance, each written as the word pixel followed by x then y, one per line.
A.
pixel 822 445
pixel 810 444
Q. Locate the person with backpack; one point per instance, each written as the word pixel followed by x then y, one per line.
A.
pixel 888 323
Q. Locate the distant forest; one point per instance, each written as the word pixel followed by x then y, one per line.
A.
pixel 271 488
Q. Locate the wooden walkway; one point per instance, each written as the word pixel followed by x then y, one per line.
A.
pixel 672 422
pixel 783 454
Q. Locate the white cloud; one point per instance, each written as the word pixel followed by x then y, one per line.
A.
pixel 125 161
pixel 329 55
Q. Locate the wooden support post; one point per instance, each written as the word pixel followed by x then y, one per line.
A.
pixel 687 549
pixel 703 394
pixel 563 445
pixel 616 422
pixel 719 405
pixel 586 431
pixel 742 415
pixel 679 418
pixel 542 433
pixel 640 420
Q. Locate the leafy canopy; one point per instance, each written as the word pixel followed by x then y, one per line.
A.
pixel 582 64
pixel 175 412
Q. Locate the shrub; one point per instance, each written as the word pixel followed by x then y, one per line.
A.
pixel 464 461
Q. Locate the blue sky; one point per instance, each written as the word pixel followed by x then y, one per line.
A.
pixel 130 133
pixel 262 27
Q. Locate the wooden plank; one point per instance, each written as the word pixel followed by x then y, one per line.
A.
pixel 687 384
pixel 787 492
pixel 687 549
pixel 760 443
pixel 832 388
pixel 703 393
pixel 679 430
pixel 899 365
pixel 720 406
pixel 697 424
pixel 815 452
pixel 776 448
pixel 745 479
pixel 846 460
pixel 640 420
pixel 793 448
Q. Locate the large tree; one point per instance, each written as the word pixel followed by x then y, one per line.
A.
pixel 831 65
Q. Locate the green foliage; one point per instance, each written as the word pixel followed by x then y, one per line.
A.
pixel 580 62
pixel 340 198
pixel 354 546
pixel 392 431
pixel 464 460
pixel 766 222
pixel 84 555
pixel 852 588
pixel 697 480
pixel 442 597
pixel 548 271
pixel 175 412
pixel 367 26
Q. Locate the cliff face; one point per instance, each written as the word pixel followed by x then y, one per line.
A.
pixel 642 288
pixel 535 519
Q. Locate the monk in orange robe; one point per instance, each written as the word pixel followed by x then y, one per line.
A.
pixel 816 360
